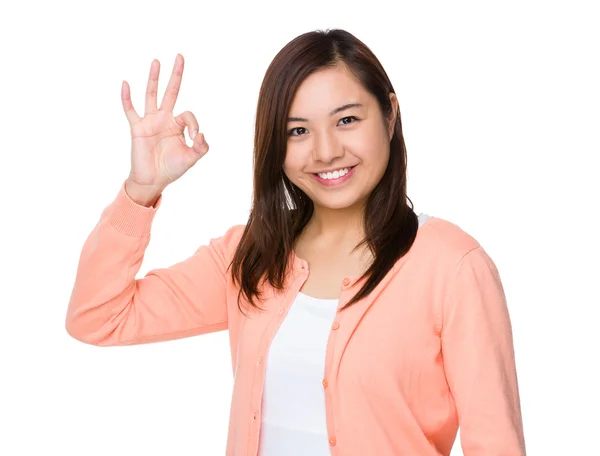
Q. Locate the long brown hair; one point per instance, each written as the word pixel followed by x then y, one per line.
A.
pixel 268 240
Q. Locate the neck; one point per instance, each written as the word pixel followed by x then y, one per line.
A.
pixel 336 226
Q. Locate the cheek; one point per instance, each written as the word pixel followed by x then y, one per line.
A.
pixel 373 154
pixel 288 168
pixel 367 142
pixel 382 157
pixel 292 165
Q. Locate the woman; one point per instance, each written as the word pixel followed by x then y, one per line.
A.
pixel 357 327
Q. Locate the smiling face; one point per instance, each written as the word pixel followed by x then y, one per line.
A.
pixel 334 123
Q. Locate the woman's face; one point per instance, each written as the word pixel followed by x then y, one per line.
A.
pixel 321 138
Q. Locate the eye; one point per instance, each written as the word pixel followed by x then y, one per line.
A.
pixel 349 117
pixel 297 128
pixel 290 132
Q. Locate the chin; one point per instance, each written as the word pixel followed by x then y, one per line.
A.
pixel 343 202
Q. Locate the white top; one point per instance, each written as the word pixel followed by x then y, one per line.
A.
pixel 293 404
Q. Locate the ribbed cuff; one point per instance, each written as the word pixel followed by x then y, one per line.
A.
pixel 129 217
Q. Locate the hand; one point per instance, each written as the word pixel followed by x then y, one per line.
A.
pixel 159 153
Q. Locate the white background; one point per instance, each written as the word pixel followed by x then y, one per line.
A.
pixel 500 108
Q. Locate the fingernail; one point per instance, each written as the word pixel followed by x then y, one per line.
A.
pixel 193 133
pixel 201 140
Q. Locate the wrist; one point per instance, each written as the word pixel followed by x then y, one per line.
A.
pixel 143 195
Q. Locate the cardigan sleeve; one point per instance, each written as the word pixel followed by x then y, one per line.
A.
pixel 109 306
pixel 479 359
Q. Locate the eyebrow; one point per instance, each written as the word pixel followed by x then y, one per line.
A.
pixel 335 111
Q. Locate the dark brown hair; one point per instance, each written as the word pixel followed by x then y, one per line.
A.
pixel 268 240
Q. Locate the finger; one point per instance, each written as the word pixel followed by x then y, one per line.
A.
pixel 199 148
pixel 132 116
pixel 188 119
pixel 152 87
pixel 196 152
pixel 168 101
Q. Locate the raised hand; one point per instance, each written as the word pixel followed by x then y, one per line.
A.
pixel 159 153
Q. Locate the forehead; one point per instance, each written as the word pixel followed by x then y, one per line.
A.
pixel 325 90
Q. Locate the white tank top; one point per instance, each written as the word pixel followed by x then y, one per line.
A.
pixel 293 405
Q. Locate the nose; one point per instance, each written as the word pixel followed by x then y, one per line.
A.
pixel 327 148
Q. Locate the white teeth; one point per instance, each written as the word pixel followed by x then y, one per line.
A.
pixel 335 174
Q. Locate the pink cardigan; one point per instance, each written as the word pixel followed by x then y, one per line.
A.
pixel 429 348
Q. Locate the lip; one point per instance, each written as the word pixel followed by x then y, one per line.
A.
pixel 335 182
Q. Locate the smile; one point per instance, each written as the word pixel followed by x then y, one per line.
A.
pixel 334 178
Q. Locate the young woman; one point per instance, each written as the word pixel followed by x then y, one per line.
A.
pixel 357 327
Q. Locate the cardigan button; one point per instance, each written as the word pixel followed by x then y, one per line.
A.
pixel 335 326
pixel 346 281
pixel 325 383
pixel 332 441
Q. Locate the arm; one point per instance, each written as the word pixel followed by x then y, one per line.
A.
pixel 479 360
pixel 109 306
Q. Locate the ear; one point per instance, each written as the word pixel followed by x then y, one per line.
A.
pixel 393 118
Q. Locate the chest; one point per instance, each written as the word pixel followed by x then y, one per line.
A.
pixel 328 268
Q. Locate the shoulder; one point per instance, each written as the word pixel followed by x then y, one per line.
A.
pixel 231 238
pixel 234 233
pixel 226 244
pixel 449 253
pixel 446 240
